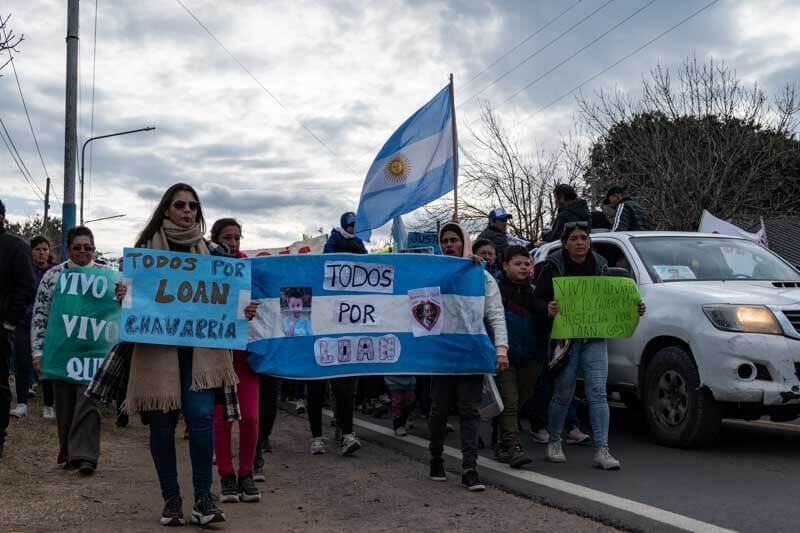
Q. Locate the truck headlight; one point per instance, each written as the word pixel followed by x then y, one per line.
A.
pixel 743 318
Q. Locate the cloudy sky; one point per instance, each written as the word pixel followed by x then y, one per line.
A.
pixel 350 72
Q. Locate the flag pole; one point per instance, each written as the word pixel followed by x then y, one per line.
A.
pixel 455 147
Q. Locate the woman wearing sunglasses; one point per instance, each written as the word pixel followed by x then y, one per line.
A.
pixel 77 417
pixel 167 379
pixel 576 258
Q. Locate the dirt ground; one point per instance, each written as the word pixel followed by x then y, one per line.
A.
pixel 377 490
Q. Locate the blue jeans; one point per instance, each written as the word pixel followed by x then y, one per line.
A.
pixel 198 409
pixel 537 407
pixel 591 356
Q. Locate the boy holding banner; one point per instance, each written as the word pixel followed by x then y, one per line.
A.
pixel 464 391
pixel 79 297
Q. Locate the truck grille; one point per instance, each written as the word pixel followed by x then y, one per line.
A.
pixel 794 318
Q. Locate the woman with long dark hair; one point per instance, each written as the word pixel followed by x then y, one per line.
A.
pixel 576 258
pixel 228 232
pixel 167 379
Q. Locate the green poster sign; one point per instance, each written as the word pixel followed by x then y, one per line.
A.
pixel 83 324
pixel 595 307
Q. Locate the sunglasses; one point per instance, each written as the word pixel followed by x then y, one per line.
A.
pixel 83 247
pixel 573 225
pixel 180 204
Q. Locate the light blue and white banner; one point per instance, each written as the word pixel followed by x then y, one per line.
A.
pixel 181 299
pixel 390 314
pixel 415 166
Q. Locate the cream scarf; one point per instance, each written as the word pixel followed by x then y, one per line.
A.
pixel 154 383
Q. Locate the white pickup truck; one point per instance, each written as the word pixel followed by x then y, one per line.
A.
pixel 721 337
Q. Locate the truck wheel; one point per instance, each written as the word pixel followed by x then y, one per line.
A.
pixel 680 414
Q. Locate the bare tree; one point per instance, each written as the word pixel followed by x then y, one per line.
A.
pixel 703 141
pixel 498 173
pixel 8 41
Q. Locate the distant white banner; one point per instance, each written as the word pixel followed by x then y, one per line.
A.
pixel 711 224
pixel 314 245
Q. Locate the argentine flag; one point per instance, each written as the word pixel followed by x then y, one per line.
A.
pixel 414 167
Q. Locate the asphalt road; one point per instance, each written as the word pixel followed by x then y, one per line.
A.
pixel 748 481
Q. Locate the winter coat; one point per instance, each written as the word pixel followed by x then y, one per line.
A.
pixel 577 211
pixel 499 239
pixel 493 314
pixel 519 305
pixel 632 217
pixel 16 278
pixel 340 243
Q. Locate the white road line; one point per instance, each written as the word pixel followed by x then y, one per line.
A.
pixel 647 511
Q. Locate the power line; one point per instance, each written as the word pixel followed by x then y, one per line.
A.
pixel 271 95
pixel 525 40
pixel 91 122
pixel 593 41
pixel 534 54
pixel 20 164
pixel 25 107
pixel 645 45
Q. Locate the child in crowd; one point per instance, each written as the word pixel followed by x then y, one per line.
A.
pixel 484 248
pixel 516 384
pixel 401 389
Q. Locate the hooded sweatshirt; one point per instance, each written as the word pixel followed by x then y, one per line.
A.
pixel 494 317
pixel 342 242
pixel 577 211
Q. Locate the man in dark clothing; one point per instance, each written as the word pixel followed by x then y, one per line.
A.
pixel 630 215
pixel 496 233
pixel 16 293
pixel 343 238
pixel 570 209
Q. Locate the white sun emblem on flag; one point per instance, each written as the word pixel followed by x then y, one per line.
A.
pixel 396 169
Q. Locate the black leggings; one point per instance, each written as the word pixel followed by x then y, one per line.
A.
pixel 343 391
pixel 267 407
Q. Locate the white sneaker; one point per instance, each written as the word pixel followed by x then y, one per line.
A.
pixel 350 444
pixel 317 446
pixel 300 407
pixel 541 436
pixel 19 411
pixel 603 459
pixel 554 453
pixel 48 412
pixel 401 431
pixel 576 436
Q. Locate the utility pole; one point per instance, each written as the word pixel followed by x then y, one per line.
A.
pixel 70 122
pixel 46 206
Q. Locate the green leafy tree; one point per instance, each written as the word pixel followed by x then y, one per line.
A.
pixel 32 227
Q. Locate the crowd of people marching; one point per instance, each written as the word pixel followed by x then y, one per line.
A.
pixel 210 389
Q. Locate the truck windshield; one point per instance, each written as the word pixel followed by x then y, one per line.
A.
pixel 710 259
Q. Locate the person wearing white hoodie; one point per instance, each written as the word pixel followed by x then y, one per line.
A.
pixel 465 391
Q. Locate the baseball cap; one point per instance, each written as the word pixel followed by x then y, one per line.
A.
pixel 616 189
pixel 498 214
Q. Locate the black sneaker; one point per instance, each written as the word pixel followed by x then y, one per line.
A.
pixel 248 492
pixel 122 420
pixel 437 470
pixel 206 511
pixel 471 481
pixel 267 446
pixel 230 490
pixel 502 454
pixel 517 458
pixel 172 515
pixel 85 468
pixel 258 469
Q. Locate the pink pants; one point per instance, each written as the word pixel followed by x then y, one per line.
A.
pixel 248 425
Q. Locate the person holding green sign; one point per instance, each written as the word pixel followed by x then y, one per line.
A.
pixel 590 355
pixel 74 324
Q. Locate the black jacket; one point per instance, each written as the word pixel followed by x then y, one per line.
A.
pixel 16 278
pixel 500 241
pixel 632 217
pixel 577 211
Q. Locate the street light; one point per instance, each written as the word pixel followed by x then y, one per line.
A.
pixel 83 153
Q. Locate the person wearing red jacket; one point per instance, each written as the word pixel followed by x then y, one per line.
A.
pixel 228 232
